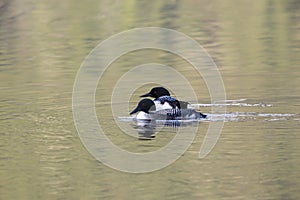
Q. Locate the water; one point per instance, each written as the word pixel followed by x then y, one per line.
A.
pixel 256 47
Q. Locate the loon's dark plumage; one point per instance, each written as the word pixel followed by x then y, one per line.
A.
pixel 146 110
pixel 162 96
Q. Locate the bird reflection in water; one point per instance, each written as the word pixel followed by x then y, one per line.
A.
pixel 147 129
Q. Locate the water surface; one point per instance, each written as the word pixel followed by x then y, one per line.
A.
pixel 256 47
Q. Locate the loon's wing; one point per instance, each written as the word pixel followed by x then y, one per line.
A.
pixel 170 114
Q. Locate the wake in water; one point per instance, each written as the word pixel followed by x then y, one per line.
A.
pixel 236 116
pixel 243 116
pixel 147 129
pixel 237 102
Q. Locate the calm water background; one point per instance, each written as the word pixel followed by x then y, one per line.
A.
pixel 256 45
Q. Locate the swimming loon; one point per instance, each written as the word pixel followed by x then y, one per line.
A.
pixel 163 100
pixel 147 111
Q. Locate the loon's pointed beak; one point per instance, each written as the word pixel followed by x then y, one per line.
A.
pixel 146 95
pixel 135 111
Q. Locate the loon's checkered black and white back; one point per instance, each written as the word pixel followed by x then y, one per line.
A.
pixel 173 114
pixel 166 102
pixel 164 99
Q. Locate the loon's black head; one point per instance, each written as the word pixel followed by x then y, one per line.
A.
pixel 144 105
pixel 157 92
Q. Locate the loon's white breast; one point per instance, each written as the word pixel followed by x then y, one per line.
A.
pixel 143 116
pixel 161 106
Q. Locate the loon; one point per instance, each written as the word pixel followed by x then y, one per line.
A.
pixel 163 100
pixel 147 111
